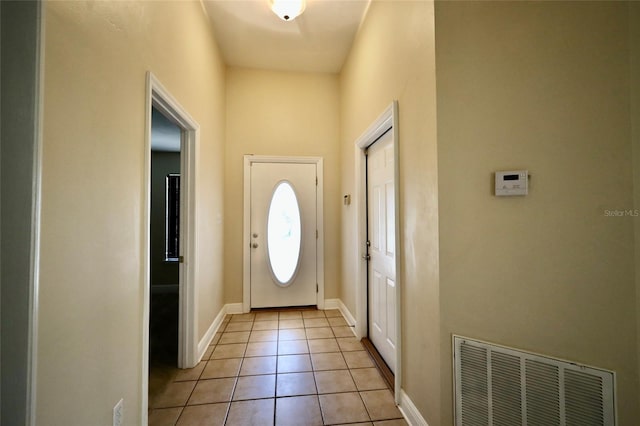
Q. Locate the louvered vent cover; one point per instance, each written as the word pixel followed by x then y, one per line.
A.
pixel 498 386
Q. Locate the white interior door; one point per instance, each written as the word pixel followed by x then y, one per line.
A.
pixel 283 235
pixel 382 244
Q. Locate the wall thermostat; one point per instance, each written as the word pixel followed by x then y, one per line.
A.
pixel 510 183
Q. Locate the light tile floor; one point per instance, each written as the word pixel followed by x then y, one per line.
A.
pixel 288 367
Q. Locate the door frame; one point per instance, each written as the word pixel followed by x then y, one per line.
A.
pixel 28 20
pixel 388 120
pixel 246 237
pixel 158 97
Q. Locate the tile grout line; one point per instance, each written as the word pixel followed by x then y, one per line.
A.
pixel 275 390
pixel 235 382
pixel 314 376
pixel 277 370
pixel 183 407
pixel 194 387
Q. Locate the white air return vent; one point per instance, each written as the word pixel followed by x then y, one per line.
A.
pixel 498 386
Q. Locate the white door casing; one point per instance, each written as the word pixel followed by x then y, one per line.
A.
pixel 158 97
pixel 386 122
pixel 382 247
pixel 261 286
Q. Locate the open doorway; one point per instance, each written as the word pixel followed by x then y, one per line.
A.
pixel 164 249
pixel 177 238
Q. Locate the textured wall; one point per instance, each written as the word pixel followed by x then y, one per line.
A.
pixel 280 113
pixel 393 59
pixel 97 55
pixel 634 40
pixel 542 86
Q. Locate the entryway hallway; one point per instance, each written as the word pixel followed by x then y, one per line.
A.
pixel 283 367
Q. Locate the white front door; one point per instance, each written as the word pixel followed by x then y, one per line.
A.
pixel 382 243
pixel 283 235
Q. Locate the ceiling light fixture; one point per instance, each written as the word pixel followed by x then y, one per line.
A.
pixel 287 10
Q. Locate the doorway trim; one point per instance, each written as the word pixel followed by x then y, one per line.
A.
pixel 246 237
pixel 158 97
pixel 386 121
pixel 28 20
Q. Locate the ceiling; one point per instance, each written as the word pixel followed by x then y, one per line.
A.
pixel 250 35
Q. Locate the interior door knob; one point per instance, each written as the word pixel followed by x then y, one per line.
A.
pixel 254 245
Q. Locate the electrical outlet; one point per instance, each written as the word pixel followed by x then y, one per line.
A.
pixel 118 413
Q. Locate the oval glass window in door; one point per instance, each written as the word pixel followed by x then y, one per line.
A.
pixel 284 233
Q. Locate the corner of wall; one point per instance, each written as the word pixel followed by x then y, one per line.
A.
pixel 203 344
pixel 346 313
pixel 409 411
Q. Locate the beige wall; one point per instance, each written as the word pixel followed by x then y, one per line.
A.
pixel 544 87
pixel 520 85
pixel 96 57
pixel 280 113
pixel 634 40
pixel 393 58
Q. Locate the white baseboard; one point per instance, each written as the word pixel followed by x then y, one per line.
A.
pixel 332 303
pixel 337 304
pixel 229 308
pixel 211 331
pixel 233 308
pixel 409 411
pixel 407 407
